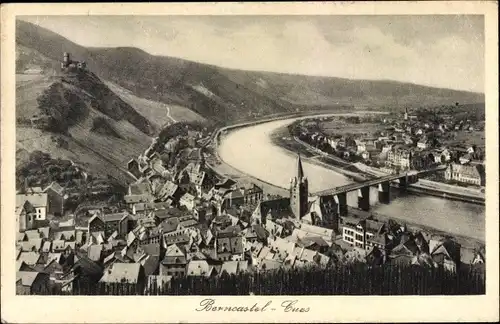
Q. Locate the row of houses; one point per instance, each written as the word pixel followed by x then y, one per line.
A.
pixel 378 242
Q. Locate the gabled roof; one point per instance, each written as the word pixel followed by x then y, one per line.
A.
pixel 120 272
pixel 44 231
pixel 20 236
pixel 273 228
pixel 46 247
pixel 226 183
pixel 150 264
pixel 320 231
pixel 448 248
pixel 408 248
pixel 53 257
pixel 114 216
pixel 198 268
pixel 94 252
pixel 374 226
pixel 231 267
pixel 30 258
pixel 27 278
pixel 30 245
pixel 65 235
pixel 57 245
pixel 36 199
pixel 56 187
pixel 32 234
pixel 174 251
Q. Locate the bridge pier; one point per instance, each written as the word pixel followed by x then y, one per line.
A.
pixel 403 182
pixel 341 200
pixel 384 192
pixel 364 198
pixel 413 178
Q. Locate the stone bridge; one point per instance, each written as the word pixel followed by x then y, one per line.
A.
pixel 402 180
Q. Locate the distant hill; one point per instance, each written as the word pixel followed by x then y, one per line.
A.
pixel 107 116
pixel 224 95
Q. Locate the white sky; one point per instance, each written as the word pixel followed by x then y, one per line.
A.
pixel 444 51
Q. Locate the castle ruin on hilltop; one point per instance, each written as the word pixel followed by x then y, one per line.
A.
pixel 69 65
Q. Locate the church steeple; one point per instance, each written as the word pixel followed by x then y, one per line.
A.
pixel 299 191
pixel 300 170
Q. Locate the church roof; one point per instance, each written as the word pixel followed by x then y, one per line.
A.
pixel 300 169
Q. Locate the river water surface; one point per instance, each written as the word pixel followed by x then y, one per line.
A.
pixel 251 150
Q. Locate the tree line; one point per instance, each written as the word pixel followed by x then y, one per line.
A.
pixel 355 279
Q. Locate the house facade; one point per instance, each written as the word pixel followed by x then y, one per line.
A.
pixel 399 158
pixel 38 200
pixel 465 173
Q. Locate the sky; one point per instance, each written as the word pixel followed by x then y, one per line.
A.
pixel 440 50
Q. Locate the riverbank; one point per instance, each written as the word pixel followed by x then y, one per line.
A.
pixel 361 172
pixel 224 169
pixel 251 151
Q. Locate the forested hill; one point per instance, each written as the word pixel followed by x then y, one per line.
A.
pixel 225 95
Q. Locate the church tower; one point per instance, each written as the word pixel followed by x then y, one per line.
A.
pixel 299 192
pixel 406 113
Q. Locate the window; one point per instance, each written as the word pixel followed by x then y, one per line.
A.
pixel 359 237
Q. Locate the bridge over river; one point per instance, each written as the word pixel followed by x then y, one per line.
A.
pixel 402 179
pixel 252 151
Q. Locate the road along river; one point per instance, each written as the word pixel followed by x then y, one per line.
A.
pixel 251 151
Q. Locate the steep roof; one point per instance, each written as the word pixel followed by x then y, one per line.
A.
pixel 27 278
pixel 33 244
pixel 32 234
pixel 114 216
pixel 44 231
pixel 316 230
pixel 56 187
pixel 30 258
pixel 231 267
pixel 94 252
pixel 119 272
pixel 174 251
pixel 65 235
pixel 449 248
pixel 198 268
pixel 300 169
pixel 471 171
pixel 36 199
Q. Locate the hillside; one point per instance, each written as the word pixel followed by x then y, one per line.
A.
pixel 80 119
pixel 224 95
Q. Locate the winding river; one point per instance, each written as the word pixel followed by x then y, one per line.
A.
pixel 250 150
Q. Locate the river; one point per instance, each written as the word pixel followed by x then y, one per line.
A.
pixel 250 150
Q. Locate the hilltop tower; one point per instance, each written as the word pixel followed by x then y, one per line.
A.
pixel 299 192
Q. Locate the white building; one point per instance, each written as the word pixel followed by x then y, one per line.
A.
pixel 38 200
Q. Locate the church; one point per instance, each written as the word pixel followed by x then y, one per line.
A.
pixel 299 206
